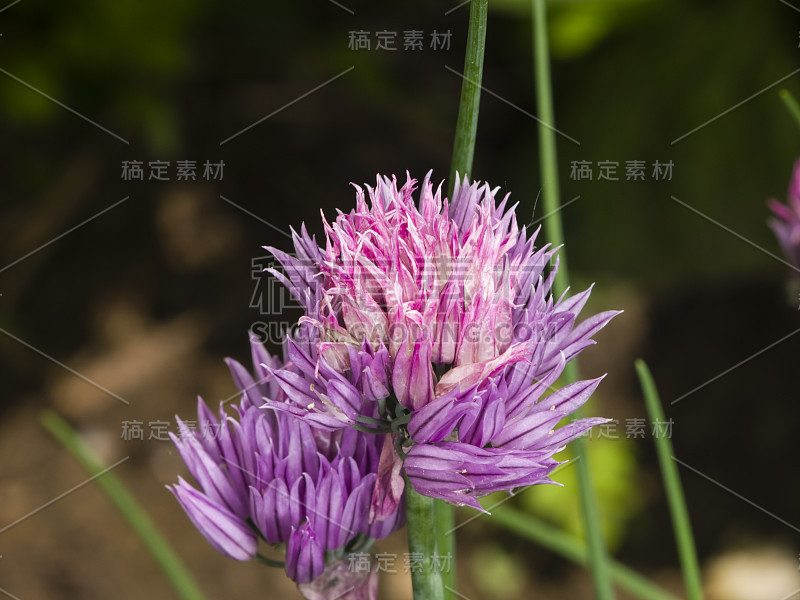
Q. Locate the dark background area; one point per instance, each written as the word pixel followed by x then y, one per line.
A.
pixel 144 297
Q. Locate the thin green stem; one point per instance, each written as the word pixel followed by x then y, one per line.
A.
pixel 461 164
pixel 672 484
pixel 597 552
pixel 791 104
pixel 573 549
pixel 137 518
pixel 548 158
pixel 264 560
pixel 426 581
pixel 467 124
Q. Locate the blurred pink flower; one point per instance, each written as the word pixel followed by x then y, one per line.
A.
pixel 786 223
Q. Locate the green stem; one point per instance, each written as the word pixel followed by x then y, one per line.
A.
pixel 446 543
pixel 426 581
pixel 276 564
pixel 598 554
pixel 463 153
pixel 573 549
pixel 467 124
pixel 672 484
pixel 137 518
pixel 548 160
pixel 791 104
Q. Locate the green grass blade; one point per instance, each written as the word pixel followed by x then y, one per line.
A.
pixel 463 152
pixel 672 484
pixel 134 514
pixel 791 105
pixel 598 554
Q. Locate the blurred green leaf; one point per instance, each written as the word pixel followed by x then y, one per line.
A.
pixel 121 58
pixel 496 572
pixel 577 26
pixel 614 469
pixel 791 105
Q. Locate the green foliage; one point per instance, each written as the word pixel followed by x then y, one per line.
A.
pixel 121 59
pixel 497 573
pixel 23 104
pixel 578 26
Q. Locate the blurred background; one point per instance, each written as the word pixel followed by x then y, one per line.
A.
pixel 122 290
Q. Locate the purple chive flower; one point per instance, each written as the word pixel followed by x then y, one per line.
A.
pixel 268 474
pixel 434 321
pixel 786 223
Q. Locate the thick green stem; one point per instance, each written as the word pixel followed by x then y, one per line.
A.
pixel 463 152
pixel 467 124
pixel 672 484
pixel 598 554
pixel 426 581
pixel 446 543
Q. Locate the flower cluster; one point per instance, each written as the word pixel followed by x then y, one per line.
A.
pixel 269 475
pixel 427 354
pixel 786 223
pixel 433 323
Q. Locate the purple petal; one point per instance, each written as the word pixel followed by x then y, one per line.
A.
pixel 244 383
pixel 226 532
pixel 389 485
pixel 305 556
pixel 479 427
pixel 532 430
pixel 460 473
pixel 434 422
pixel 208 474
